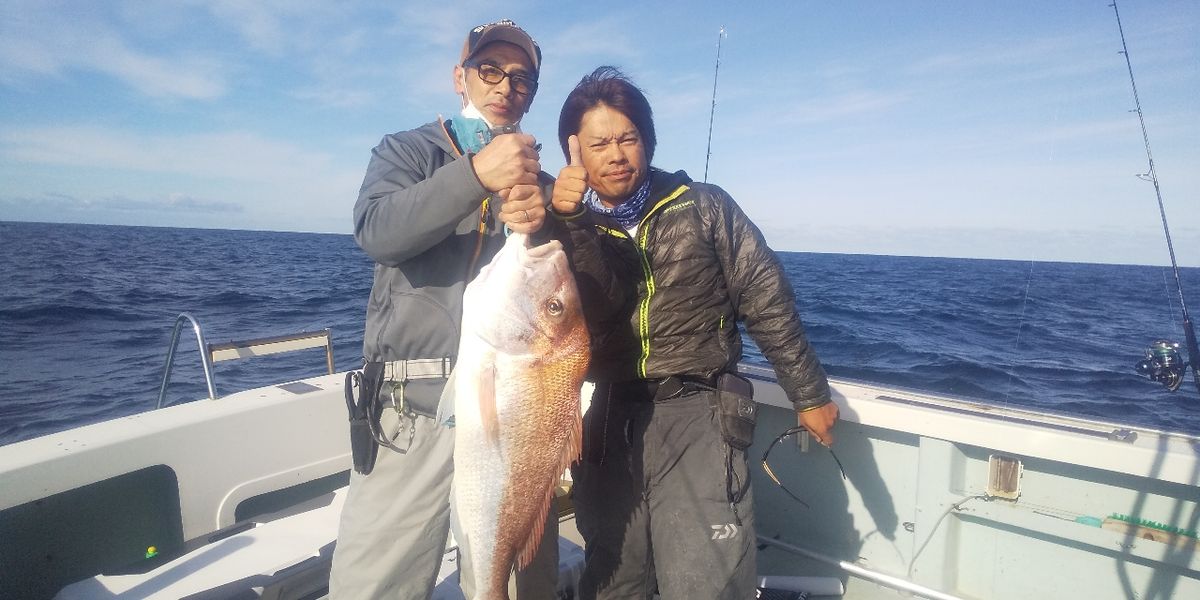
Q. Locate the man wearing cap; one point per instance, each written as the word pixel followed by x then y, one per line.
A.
pixel 431 212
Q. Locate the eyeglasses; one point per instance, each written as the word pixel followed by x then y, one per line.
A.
pixel 493 75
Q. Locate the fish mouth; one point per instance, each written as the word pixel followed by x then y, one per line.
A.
pixel 542 252
pixel 529 255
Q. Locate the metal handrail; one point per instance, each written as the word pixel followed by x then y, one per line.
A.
pixel 212 353
pixel 205 359
pixel 891 581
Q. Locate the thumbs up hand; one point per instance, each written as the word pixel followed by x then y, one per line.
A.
pixel 571 183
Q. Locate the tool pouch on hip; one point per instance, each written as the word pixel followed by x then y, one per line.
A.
pixel 736 410
pixel 363 410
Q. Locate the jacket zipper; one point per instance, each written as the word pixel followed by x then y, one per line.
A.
pixel 644 305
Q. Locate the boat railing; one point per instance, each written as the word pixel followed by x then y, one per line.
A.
pixel 214 353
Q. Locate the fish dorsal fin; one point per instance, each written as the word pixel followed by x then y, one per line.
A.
pixel 487 405
pixel 570 455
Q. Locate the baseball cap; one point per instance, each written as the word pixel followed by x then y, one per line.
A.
pixel 502 31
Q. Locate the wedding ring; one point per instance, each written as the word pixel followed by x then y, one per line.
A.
pixel 527 219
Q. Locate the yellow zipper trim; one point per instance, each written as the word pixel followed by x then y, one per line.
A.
pixel 644 305
pixel 613 232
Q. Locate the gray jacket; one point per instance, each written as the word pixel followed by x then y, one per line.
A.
pixel 420 215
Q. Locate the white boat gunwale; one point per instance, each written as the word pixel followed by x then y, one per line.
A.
pixel 264 440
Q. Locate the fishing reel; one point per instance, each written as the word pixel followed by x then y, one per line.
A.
pixel 1163 364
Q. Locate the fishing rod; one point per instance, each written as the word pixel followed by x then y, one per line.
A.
pixel 713 110
pixel 1163 362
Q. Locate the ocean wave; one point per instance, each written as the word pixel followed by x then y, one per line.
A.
pixel 231 299
pixel 65 313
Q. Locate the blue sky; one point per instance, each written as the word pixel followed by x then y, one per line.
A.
pixel 975 129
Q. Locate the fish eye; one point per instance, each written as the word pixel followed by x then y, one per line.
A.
pixel 554 306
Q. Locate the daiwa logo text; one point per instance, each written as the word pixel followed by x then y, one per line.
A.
pixel 727 531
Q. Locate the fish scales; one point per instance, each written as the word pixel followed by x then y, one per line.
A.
pixel 522 358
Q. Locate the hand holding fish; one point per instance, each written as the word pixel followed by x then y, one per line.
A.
pixel 571 183
pixel 507 160
pixel 819 422
pixel 522 208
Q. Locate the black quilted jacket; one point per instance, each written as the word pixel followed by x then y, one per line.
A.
pixel 667 301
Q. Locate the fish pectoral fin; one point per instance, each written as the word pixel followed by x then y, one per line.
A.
pixel 487 405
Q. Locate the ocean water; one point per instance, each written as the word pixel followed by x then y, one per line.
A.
pixel 86 313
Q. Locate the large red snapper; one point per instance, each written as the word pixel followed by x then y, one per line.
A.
pixel 521 362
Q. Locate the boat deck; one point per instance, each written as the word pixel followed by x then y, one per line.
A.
pixel 288 556
pixel 1096 510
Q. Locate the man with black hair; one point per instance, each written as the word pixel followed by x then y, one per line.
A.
pixel 662 494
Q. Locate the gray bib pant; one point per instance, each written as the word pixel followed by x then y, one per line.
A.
pixel 652 505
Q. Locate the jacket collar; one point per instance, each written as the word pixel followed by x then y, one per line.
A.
pixel 664 184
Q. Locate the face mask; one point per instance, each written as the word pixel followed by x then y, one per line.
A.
pixel 472 134
pixel 471 130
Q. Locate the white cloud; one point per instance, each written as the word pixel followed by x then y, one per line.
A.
pixel 191 78
pixel 260 22
pixel 36 40
pixel 226 155
pixel 239 179
pixel 838 108
pixel 443 25
pixel 587 40
pixel 335 96
pixel 64 205
pixel 281 27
